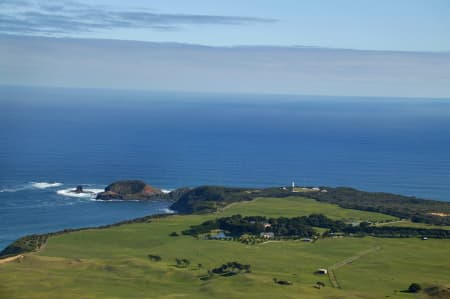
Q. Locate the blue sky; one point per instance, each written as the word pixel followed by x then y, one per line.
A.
pixel 409 25
pixel 402 40
pixel 404 25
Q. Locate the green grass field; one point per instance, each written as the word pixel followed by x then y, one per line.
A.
pixel 113 263
pixel 299 206
pixel 407 223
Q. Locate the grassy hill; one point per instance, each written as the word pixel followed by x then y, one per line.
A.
pixel 113 262
pixel 299 206
pixel 207 199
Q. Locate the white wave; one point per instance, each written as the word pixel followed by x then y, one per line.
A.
pixel 133 200
pixel 12 189
pixel 167 211
pixel 87 193
pixel 114 200
pixel 32 185
pixel 166 191
pixel 45 185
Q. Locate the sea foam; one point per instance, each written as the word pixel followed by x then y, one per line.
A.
pixel 32 185
pixel 167 211
pixel 88 193
pixel 45 185
pixel 11 189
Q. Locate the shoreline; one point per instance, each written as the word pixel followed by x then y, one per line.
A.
pixel 204 194
pixel 44 237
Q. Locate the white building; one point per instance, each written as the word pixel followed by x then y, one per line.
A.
pixel 267 235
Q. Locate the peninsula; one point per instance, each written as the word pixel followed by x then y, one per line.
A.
pixel 207 199
pixel 280 242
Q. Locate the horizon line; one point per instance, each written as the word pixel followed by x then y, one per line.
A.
pixel 218 92
pixel 233 46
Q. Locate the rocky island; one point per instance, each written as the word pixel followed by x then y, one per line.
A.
pixel 79 190
pixel 130 190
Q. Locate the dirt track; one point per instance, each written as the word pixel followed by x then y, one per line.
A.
pixel 332 268
pixel 11 259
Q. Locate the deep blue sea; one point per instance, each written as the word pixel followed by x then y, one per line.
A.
pixel 55 139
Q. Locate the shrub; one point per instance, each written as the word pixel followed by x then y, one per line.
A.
pixel 414 288
pixel 282 282
pixel 154 258
pixel 182 263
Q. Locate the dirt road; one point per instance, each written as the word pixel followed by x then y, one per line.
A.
pixel 11 259
pixel 332 268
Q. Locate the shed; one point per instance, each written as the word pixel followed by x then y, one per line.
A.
pixel 267 235
pixel 220 235
pixel 322 271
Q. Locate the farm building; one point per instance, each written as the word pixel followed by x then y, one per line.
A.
pixel 220 235
pixel 267 235
pixel 322 271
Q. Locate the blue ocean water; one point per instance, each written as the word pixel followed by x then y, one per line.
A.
pixel 94 137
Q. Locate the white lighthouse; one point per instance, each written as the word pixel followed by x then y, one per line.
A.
pixel 293 186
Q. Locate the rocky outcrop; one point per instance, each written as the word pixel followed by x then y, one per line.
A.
pixel 130 190
pixel 79 189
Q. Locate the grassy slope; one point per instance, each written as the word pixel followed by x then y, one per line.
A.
pixel 113 263
pixel 407 223
pixel 298 206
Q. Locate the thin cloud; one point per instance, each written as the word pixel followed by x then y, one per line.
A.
pixel 14 3
pixel 99 63
pixel 68 17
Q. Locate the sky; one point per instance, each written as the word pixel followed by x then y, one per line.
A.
pixel 340 47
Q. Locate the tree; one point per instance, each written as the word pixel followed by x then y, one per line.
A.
pixel 182 263
pixel 155 258
pixel 320 284
pixel 414 288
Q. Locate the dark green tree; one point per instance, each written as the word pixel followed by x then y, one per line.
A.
pixel 414 288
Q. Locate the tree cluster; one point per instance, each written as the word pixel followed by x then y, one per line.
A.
pixel 237 225
pixel 396 231
pixel 302 227
pixel 231 268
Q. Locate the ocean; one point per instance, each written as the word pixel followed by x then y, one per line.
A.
pixel 53 139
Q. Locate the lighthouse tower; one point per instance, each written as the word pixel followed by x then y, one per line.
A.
pixel 293 186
